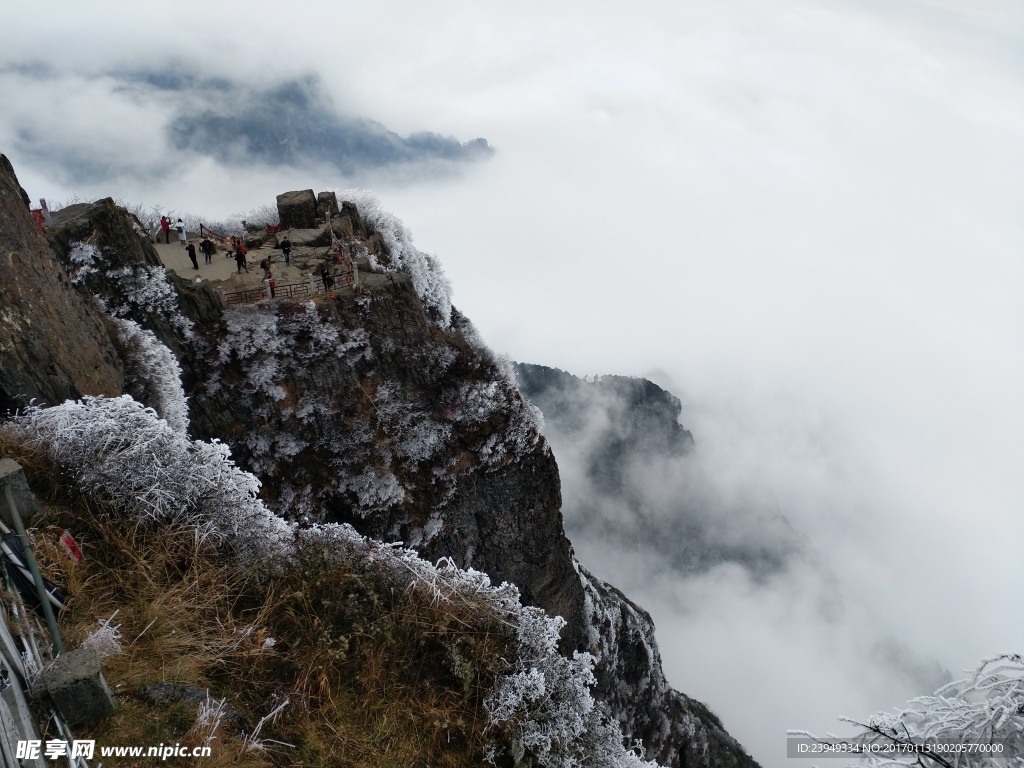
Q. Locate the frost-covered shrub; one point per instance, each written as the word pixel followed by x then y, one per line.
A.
pixel 321 333
pixel 154 375
pixel 424 439
pixel 356 348
pixel 105 640
pixel 268 342
pixel 256 218
pixel 541 706
pixel 83 258
pixel 428 278
pixel 525 421
pixel 477 401
pixel 147 289
pixel 418 436
pixel 126 454
pixel 986 708
pixel 267 447
pixel 253 338
pixel 123 453
pixel 546 698
pixel 374 489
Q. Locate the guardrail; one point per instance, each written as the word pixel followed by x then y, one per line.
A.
pixel 288 291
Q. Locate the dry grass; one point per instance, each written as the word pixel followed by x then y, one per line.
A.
pixel 376 674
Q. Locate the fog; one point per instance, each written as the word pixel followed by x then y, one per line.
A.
pixel 801 218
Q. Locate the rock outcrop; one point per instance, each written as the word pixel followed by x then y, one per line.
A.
pixel 297 210
pixel 54 344
pixel 326 202
pixel 350 223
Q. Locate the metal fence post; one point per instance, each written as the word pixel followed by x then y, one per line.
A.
pixel 37 577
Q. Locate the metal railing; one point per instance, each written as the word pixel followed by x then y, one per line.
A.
pixel 37 577
pixel 288 291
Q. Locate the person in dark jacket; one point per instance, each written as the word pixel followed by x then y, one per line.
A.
pixel 286 249
pixel 240 257
pixel 207 248
pixel 191 248
pixel 325 275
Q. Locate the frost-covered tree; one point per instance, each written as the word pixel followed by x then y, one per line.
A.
pixel 977 722
pixel 153 373
pixel 424 269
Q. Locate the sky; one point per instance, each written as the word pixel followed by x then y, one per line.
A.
pixel 801 217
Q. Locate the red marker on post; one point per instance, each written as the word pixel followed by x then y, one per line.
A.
pixel 71 546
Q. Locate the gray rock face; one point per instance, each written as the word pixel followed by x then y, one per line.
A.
pixel 297 210
pixel 54 344
pixel 326 202
pixel 350 222
pixel 516 503
pixel 128 274
pixel 676 730
pixel 12 475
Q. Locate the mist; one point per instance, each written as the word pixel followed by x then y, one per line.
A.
pixel 801 219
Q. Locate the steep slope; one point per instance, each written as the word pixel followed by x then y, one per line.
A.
pixel 632 475
pixel 382 408
pixel 53 343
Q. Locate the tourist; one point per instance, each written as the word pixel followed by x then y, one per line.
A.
pixel 207 248
pixel 191 248
pixel 286 249
pixel 182 237
pixel 165 225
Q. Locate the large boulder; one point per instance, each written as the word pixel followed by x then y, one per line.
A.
pixel 54 344
pixel 297 210
pixel 326 201
pixel 350 222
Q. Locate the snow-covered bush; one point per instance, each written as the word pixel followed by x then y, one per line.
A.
pixel 147 289
pixel 254 338
pixel 105 640
pixel 428 278
pixel 418 435
pixel 542 703
pixel 267 342
pixel 374 489
pixel 153 373
pixel 986 708
pixel 127 455
pixel 477 401
pixel 525 421
pixel 83 258
pixel 256 218
pixel 547 698
pixel 122 452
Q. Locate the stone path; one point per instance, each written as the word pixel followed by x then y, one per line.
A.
pixel 223 272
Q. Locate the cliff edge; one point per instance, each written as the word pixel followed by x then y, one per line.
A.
pixel 377 405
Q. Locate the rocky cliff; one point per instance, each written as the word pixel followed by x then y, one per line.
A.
pixel 54 344
pixel 378 407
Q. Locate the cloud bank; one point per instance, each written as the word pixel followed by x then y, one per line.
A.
pixel 140 122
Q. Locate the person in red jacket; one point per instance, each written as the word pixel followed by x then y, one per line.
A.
pixel 165 225
pixel 240 255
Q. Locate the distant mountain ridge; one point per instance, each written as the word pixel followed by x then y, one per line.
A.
pixel 630 466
